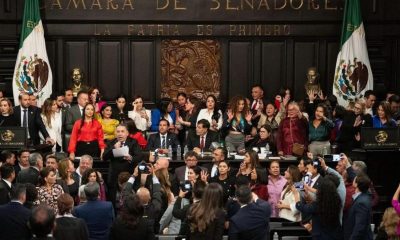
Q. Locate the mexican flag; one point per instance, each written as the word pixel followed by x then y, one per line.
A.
pixel 353 75
pixel 32 72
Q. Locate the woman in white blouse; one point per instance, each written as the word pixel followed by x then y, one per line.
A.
pixel 211 113
pixel 140 115
pixel 52 120
pixel 287 204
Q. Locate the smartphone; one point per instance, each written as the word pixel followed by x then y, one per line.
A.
pixel 336 157
pixel 299 185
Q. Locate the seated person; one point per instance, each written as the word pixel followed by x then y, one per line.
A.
pixel 163 139
pixel 263 138
pixel 203 138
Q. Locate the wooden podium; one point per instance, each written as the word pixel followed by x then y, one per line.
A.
pixel 13 138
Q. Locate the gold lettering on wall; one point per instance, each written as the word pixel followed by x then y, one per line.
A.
pixel 281 7
pixel 263 3
pixel 229 6
pixel 204 30
pixel 162 7
pixel 216 6
pixel 76 4
pixel 192 67
pixel 56 3
pixel 178 6
pixel 96 3
pixel 300 4
pixel 112 5
pixel 249 3
pixel 127 3
pixel 327 7
pixel 313 5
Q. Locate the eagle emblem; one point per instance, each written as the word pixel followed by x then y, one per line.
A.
pixel 351 78
pixel 32 75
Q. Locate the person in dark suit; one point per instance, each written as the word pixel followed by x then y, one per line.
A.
pixel 191 159
pixel 69 227
pixel 23 160
pixel 252 219
pixel 14 216
pixel 131 222
pixel 163 139
pixel 31 174
pixel 203 138
pixel 121 164
pixel 7 174
pixel 42 222
pixel 29 116
pixel 358 222
pixel 98 215
pixel 75 112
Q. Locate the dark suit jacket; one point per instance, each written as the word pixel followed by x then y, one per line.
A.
pixel 154 141
pixel 193 140
pixel 70 228
pixel 35 123
pixel 98 215
pixel 73 114
pixel 120 231
pixel 4 192
pixel 13 221
pixel 119 164
pixel 251 222
pixel 29 175
pixel 358 222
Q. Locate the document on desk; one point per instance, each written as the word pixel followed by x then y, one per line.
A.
pixel 121 152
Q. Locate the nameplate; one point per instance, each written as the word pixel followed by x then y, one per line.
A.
pixel 12 137
pixel 380 138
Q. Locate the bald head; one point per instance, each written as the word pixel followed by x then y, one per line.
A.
pixel 144 195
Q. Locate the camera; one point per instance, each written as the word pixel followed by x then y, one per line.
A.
pixel 186 186
pixel 143 168
pixel 299 185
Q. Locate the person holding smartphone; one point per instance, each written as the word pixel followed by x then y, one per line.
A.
pixel 140 114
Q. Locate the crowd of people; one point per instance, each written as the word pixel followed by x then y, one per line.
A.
pixel 43 196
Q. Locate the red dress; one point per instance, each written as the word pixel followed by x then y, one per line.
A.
pixel 292 130
pixel 138 136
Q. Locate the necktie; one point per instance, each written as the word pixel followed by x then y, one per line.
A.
pixel 254 105
pixel 163 145
pixel 25 120
pixel 202 142
pixel 82 111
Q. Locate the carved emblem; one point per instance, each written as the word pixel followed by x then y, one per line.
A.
pixel 381 137
pixel 351 78
pixel 32 74
pixel 7 136
pixel 192 67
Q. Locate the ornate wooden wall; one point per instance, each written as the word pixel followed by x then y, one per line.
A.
pixel 122 52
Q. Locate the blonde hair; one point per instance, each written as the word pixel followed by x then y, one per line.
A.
pixel 389 222
pixel 362 104
pixel 11 110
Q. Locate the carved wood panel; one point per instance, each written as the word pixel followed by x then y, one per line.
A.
pixel 192 67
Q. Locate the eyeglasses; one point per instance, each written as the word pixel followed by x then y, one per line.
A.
pixel 262 131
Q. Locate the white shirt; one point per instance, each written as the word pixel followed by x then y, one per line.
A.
pixel 165 139
pixel 369 111
pixel 8 183
pixel 205 114
pixel 141 123
pixel 55 129
pixel 314 180
pixel 186 173
pixel 214 170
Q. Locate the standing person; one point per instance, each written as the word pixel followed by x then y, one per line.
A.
pixel 29 117
pixel 192 110
pixel 135 133
pixel 7 174
pixel 207 218
pixel 48 190
pixel 257 103
pixel 225 179
pixel 251 168
pixel 66 170
pixel 68 226
pixel 7 117
pixel 92 175
pixel 181 99
pixel 140 114
pixel 271 116
pixel 388 226
pixel 87 136
pixel 396 206
pixel 383 119
pixel 237 123
pixel 286 204
pixel 119 112
pixel 85 163
pixel 95 99
pixel 121 164
pixel 31 174
pixel 76 112
pixel 319 131
pixel 165 109
pixel 293 130
pixel 370 99
pixel 325 211
pixel 254 214
pixel 68 98
pixel 219 155
pixel 276 183
pixel 358 223
pixel 211 113
pixel 53 121
pixel 98 215
pixel 107 123
pixel 14 216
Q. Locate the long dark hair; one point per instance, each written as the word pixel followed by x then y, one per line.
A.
pixel 132 211
pixel 328 204
pixel 84 114
pixel 216 115
pixel 254 160
pixel 44 173
pixel 131 126
pixel 163 106
pixel 86 174
pixel 203 213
